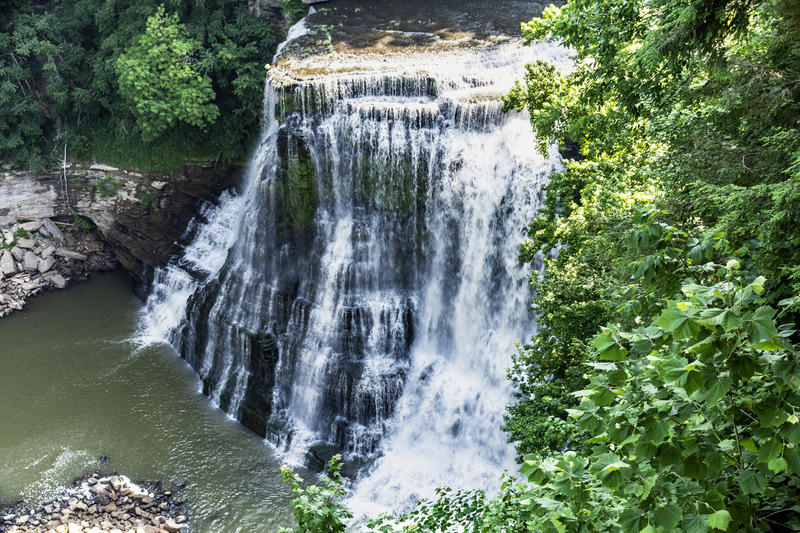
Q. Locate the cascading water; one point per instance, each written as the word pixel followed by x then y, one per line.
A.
pixel 362 293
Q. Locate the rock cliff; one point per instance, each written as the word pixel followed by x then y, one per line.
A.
pixel 143 218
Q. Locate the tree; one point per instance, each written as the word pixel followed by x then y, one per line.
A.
pixel 44 73
pixel 158 77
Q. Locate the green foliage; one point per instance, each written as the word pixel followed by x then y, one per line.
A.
pixel 43 75
pixel 107 186
pixel 83 224
pixel 700 101
pixel 693 419
pixel 537 421
pixel 21 233
pixel 78 74
pixel 293 11
pixel 684 107
pixel 159 78
pixel 149 201
pixel 317 508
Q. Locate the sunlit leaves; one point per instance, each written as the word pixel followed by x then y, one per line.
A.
pixel 158 77
pixel 696 420
pixel 317 507
pixel 681 324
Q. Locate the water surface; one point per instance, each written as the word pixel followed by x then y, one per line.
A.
pixel 75 389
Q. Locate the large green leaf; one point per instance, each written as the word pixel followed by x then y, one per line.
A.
pixel 680 324
pixel 752 482
pixel 668 516
pixel 610 470
pixel 610 349
pixel 760 328
pixel 727 318
pixel 719 519
pixel 695 523
pixel 769 450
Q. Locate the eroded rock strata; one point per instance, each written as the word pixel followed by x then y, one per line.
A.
pixel 142 217
pixel 57 227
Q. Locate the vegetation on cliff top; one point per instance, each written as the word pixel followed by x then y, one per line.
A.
pixel 131 82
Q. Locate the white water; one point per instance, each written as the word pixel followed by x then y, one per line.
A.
pixel 396 313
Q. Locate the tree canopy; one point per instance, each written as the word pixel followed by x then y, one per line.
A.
pixel 159 78
pixel 131 82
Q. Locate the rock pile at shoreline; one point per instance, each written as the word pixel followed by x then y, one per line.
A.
pixel 99 505
pixel 36 255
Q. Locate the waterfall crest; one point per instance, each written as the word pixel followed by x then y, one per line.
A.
pixel 361 294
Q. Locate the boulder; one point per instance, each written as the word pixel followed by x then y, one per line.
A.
pixel 27 244
pixel 58 281
pixel 52 229
pixel 33 226
pixel 7 264
pixel 66 253
pixel 18 253
pixel 171 525
pixel 30 262
pixel 46 264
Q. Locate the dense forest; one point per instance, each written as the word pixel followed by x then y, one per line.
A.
pixel 131 82
pixel 663 391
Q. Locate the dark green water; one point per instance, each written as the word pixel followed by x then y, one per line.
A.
pixel 75 389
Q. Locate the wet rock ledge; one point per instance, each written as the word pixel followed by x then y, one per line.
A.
pixel 38 255
pixel 99 505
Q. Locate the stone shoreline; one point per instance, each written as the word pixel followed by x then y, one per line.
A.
pixel 37 255
pixel 99 505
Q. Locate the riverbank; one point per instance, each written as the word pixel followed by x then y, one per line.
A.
pixel 99 505
pixel 38 255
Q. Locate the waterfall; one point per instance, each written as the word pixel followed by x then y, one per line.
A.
pixel 361 294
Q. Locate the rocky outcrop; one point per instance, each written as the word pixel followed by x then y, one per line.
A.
pixel 271 10
pixel 348 38
pixel 99 505
pixel 37 255
pixel 142 217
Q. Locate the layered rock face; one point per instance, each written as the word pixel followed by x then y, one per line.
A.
pixel 141 217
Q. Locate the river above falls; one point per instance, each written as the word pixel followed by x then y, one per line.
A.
pixel 76 389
